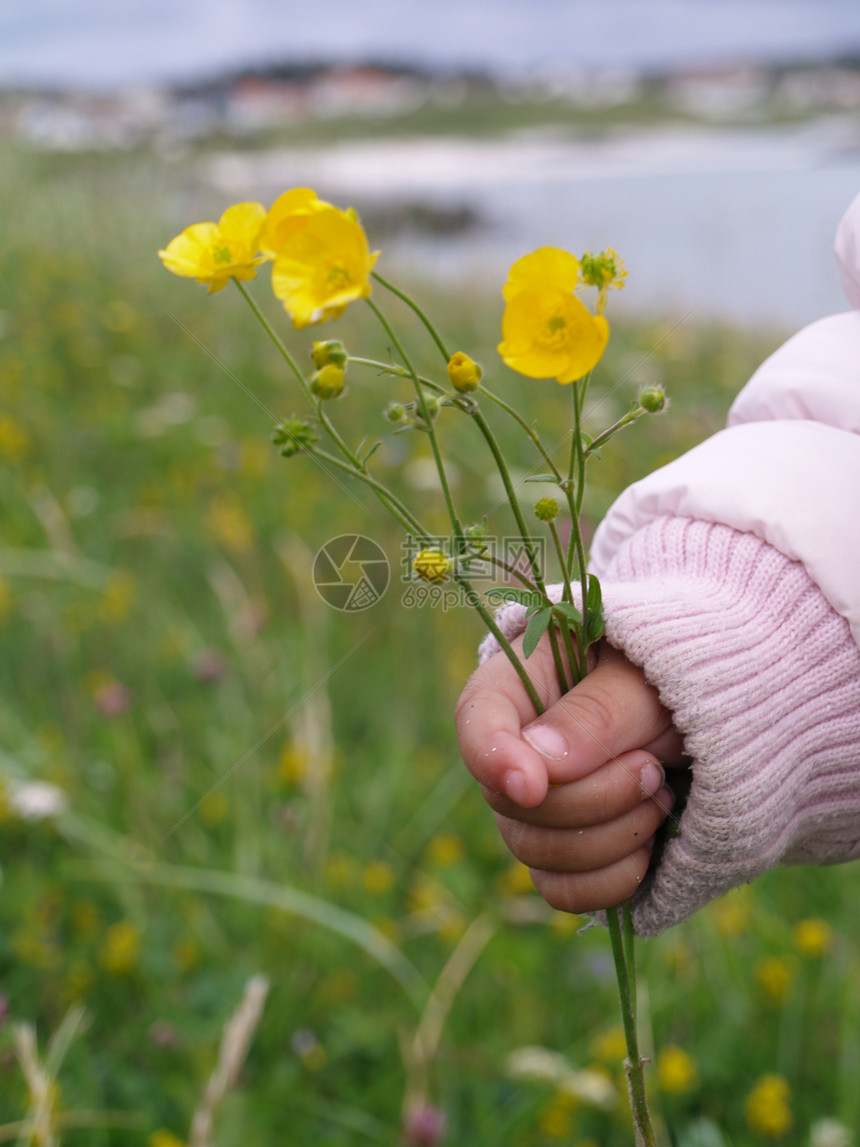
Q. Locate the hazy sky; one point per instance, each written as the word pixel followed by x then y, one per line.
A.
pixel 106 42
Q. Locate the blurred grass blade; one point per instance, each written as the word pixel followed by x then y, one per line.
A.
pixel 290 900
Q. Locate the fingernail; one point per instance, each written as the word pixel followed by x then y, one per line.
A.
pixel 665 798
pixel 651 778
pixel 547 741
pixel 514 785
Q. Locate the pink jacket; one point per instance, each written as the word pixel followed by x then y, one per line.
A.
pixel 732 577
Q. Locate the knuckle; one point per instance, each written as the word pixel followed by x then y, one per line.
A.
pixel 594 712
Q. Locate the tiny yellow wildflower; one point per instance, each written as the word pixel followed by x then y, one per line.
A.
pixel 464 374
pixel 767 1111
pixel 547 331
pixel 14 440
pixel 444 849
pixel 812 937
pixel 432 566
pixel 163 1138
pixel 515 881
pixel 214 253
pixel 120 950
pixel 322 267
pixel 378 877
pixel 774 977
pixel 676 1070
pixel 546 509
pixel 610 1047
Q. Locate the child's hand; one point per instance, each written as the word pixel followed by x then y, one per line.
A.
pixel 586 839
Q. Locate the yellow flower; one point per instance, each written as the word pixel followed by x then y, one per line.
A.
pixel 610 1046
pixel 774 977
pixel 767 1110
pixel 120 950
pixel 322 267
pixel 162 1138
pixel 812 937
pixel 288 214
pixel 213 253
pixel 464 374
pixel 676 1070
pixel 378 877
pixel 444 849
pixel 547 331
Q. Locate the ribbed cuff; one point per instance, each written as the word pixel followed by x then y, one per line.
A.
pixel 762 677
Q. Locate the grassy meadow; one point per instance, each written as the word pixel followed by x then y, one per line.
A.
pixel 253 784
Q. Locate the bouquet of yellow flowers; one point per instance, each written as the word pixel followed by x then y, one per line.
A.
pixel 553 327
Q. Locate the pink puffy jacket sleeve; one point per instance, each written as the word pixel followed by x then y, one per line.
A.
pixel 732 578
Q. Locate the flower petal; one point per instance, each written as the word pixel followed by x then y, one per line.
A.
pixel 547 267
pixel 190 253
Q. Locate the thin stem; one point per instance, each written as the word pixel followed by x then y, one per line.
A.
pixel 625 420
pixel 502 467
pixel 634 1064
pixel 397 371
pixel 401 512
pixel 425 414
pixel 532 433
pixel 434 334
pixel 629 951
pixel 557 660
pixel 512 570
pixel 567 593
pixel 520 670
pixel 285 354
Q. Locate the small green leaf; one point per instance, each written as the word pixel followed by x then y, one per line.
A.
pixel 541 478
pixel 371 452
pixel 527 597
pixel 569 612
pixel 535 630
pixel 596 626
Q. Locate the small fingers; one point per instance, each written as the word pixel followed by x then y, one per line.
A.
pixel 580 850
pixel 591 891
pixel 610 791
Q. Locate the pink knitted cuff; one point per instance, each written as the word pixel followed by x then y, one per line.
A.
pixel 762 677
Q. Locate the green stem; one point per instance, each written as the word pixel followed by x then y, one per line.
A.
pixel 520 670
pixel 576 479
pixel 425 414
pixel 532 433
pixel 397 371
pixel 634 1064
pixel 504 473
pixel 434 334
pixel 512 570
pixel 285 354
pixel 625 420
pixel 629 951
pixel 401 512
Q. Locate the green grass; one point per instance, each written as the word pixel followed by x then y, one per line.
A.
pixel 162 641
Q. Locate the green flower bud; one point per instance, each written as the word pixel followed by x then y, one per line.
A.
pixel 432 566
pixel 464 373
pixel 653 399
pixel 431 402
pixel 395 412
pixel 294 435
pixel 475 533
pixel 546 509
pixel 327 382
pixel 329 352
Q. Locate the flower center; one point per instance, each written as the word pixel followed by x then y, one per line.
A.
pixel 221 255
pixel 553 331
pixel 338 277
